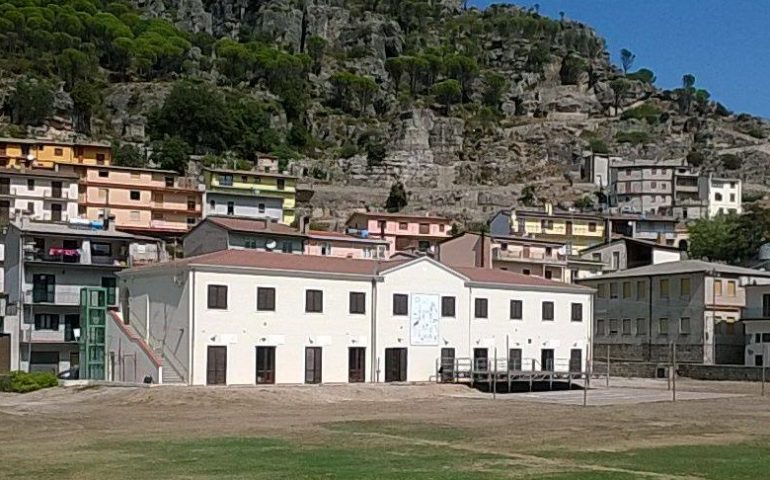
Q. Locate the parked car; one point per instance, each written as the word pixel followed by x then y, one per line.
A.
pixel 71 374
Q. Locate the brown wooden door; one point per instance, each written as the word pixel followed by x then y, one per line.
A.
pixel 216 366
pixel 56 212
pixel 480 359
pixel 5 186
pixel 569 228
pixel 356 364
pixel 265 365
pixel 576 360
pixel 5 210
pixel 313 365
pixel 546 359
pixel 56 189
pixel 5 353
pixel 447 371
pixel 395 364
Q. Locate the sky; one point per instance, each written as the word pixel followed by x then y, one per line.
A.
pixel 724 43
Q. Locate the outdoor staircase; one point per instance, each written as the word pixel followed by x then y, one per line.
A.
pixel 171 377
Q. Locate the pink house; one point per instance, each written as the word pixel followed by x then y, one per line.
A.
pixel 337 244
pixel 402 232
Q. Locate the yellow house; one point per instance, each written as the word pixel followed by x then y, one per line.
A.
pixel 250 194
pixel 577 230
pixel 17 152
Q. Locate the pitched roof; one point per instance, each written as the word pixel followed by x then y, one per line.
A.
pixel 248 172
pixel 242 224
pixel 638 241
pixel 404 216
pixel 502 277
pixel 65 229
pixel 683 266
pixel 39 173
pixel 257 260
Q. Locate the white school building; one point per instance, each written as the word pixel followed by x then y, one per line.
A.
pixel 242 317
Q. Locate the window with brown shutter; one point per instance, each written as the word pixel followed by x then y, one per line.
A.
pixel 447 306
pixel 265 299
pixel 357 302
pixel 217 297
pixel 577 312
pixel 517 310
pixel 314 301
pixel 400 304
pixel 480 308
pixel 548 311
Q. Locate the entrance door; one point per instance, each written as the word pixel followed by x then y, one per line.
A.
pixel 5 212
pixel 569 228
pixel 5 353
pixel 56 212
pixel 395 364
pixel 56 189
pixel 514 359
pixel 5 186
pixel 576 360
pixel 356 364
pixel 216 367
pixel 313 365
pixel 546 359
pixel 480 359
pixel 447 371
pixel 265 365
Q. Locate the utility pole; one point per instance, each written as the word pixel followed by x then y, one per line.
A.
pixel 608 366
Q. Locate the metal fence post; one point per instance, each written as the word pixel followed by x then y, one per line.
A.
pixel 608 365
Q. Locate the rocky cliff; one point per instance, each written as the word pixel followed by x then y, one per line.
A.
pixel 538 96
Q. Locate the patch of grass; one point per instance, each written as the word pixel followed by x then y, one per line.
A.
pixel 635 137
pixel 422 431
pixel 746 461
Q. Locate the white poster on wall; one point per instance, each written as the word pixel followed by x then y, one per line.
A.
pixel 424 319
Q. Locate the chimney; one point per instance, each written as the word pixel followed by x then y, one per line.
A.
pixel 549 208
pixel 24 221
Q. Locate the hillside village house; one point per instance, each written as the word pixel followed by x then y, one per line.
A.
pixel 723 195
pixel 622 253
pixel 345 245
pixel 245 317
pixel 574 229
pixel 141 200
pixel 250 194
pixel 217 233
pixel 403 232
pixel 19 152
pixel 756 321
pixel 641 311
pixel 46 265
pixel 44 195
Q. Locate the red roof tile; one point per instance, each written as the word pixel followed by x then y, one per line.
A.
pixel 404 216
pixel 240 224
pixel 493 275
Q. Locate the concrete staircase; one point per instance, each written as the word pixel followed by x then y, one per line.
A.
pixel 171 377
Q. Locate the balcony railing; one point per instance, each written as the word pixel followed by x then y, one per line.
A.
pixel 60 296
pixel 74 257
pixel 530 257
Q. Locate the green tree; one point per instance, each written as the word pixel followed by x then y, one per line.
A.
pixel 375 152
pixel 395 67
pixel 171 153
pixel 397 198
pixel 572 67
pixel 528 196
pixel 620 87
pixel 584 203
pixel 86 97
pixel 447 93
pixel 642 75
pixel 351 91
pixel 415 67
pixel 627 59
pixel 730 238
pixel 494 87
pixel 730 161
pixel 127 155
pixel 316 48
pixel 464 70
pixel 686 93
pixel 31 101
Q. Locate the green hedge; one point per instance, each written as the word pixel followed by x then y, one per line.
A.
pixel 23 382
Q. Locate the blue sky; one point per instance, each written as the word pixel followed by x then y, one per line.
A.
pixel 724 43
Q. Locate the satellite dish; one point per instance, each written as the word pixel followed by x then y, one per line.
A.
pixel 271 244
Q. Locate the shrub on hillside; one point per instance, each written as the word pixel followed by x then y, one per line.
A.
pixel 24 382
pixel 633 137
pixel 598 145
pixel 730 161
pixel 646 111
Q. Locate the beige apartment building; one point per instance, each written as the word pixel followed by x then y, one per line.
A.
pixel 140 200
pixel 640 312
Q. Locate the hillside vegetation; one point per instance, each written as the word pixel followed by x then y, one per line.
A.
pixel 464 106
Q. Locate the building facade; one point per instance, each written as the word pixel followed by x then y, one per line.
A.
pixel 722 194
pixel 344 245
pixel 640 312
pixel 411 233
pixel 217 233
pixel 756 321
pixel 245 317
pixel 44 195
pixel 140 200
pixel 575 230
pixel 18 152
pixel 250 194
pixel 624 253
pixel 643 186
pixel 46 266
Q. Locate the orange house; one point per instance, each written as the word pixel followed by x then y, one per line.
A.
pixel 17 152
pixel 141 200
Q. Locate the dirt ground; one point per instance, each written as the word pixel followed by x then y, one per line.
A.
pixel 57 421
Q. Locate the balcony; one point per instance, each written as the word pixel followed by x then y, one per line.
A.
pixel 64 334
pixel 46 193
pixel 75 257
pixel 530 257
pixel 60 296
